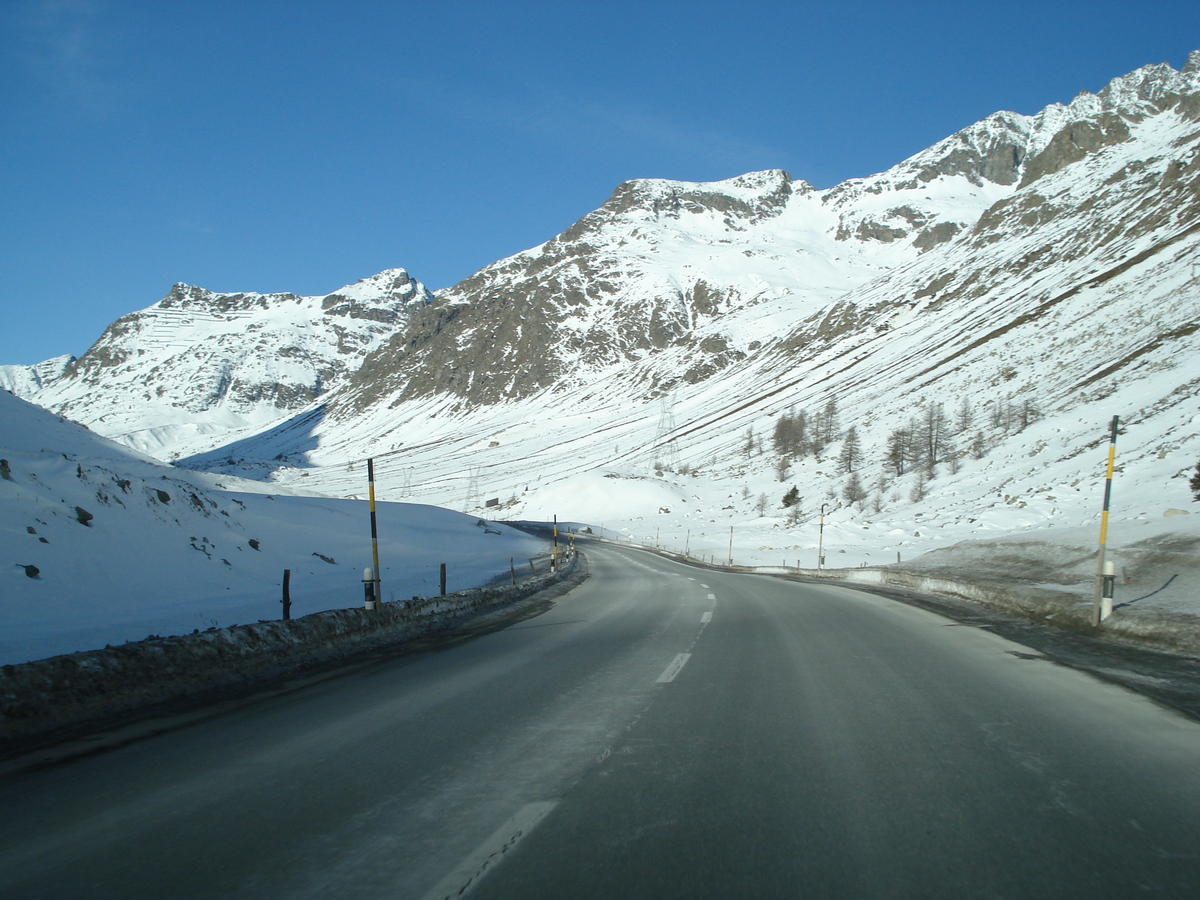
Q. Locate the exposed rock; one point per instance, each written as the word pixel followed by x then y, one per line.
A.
pixel 1073 143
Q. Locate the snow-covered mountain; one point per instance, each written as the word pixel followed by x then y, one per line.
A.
pixel 198 363
pixel 666 272
pixel 977 314
pixel 662 271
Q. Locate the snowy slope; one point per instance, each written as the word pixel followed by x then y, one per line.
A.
pixel 167 551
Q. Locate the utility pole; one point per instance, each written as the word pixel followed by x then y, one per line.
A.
pixel 1097 613
pixel 374 529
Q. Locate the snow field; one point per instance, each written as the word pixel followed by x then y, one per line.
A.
pixel 168 552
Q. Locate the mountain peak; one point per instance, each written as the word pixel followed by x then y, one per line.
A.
pixel 753 195
pixel 1144 91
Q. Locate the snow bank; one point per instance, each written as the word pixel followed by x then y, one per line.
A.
pixel 71 689
pixel 1051 579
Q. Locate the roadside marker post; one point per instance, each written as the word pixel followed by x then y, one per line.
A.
pixel 368 588
pixel 1099 613
pixel 821 540
pixel 1108 581
pixel 374 532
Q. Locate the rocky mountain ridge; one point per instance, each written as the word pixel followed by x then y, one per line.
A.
pixel 199 361
pixel 657 266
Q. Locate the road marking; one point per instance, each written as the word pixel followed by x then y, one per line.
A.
pixel 706 618
pixel 672 670
pixel 712 596
pixel 703 585
pixel 471 870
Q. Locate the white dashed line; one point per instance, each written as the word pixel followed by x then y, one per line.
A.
pixel 672 670
pixel 706 618
pixel 712 596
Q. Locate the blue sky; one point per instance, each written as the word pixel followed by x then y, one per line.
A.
pixel 264 145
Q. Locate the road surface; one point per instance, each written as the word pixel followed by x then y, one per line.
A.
pixel 663 731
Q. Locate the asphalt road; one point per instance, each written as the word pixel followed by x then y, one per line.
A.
pixel 662 731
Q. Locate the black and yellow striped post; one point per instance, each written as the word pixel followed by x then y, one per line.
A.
pixel 1097 613
pixel 374 527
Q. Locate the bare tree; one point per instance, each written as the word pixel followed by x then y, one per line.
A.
pixel 851 457
pixel 978 445
pixel 749 442
pixel 854 492
pixel 791 434
pixel 1029 412
pixel 829 421
pixel 917 494
pixel 933 435
pixel 899 451
pixel 966 415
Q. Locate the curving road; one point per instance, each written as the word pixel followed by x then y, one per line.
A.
pixel 662 731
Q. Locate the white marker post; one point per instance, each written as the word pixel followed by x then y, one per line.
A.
pixel 1108 580
pixel 368 588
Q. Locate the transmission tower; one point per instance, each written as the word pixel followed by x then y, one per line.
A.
pixel 665 450
pixel 472 501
